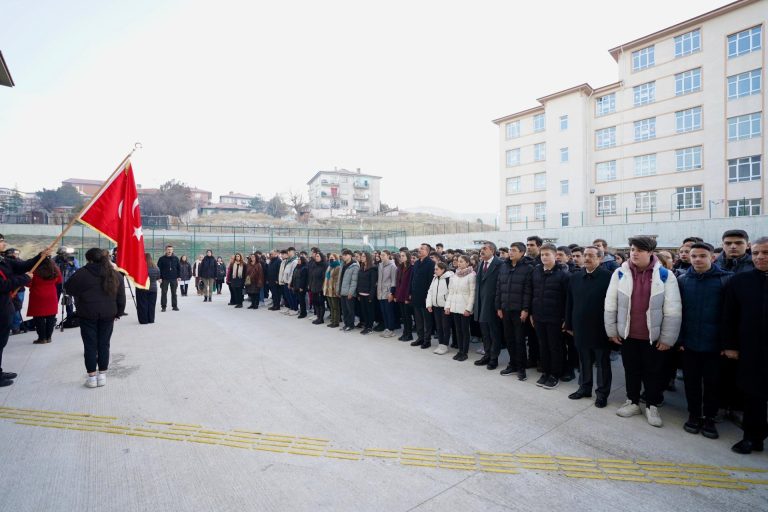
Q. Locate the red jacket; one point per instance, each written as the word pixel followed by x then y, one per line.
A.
pixel 43 297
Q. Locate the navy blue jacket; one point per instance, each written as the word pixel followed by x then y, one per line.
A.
pixel 702 296
pixel 421 277
pixel 735 265
pixel 273 270
pixel 550 291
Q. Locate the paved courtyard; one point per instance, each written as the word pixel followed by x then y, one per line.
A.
pixel 213 408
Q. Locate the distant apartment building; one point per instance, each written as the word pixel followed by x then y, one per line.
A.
pixel 679 136
pixel 343 192
pixel 86 187
pixel 236 198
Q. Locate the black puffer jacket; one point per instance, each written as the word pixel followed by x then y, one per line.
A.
pixel 300 278
pixel 550 290
pixel 317 276
pixel 91 301
pixel 367 280
pixel 513 288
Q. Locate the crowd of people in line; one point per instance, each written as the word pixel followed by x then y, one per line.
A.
pixel 557 309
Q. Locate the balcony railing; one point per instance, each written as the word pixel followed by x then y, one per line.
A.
pixel 362 197
pixel 361 184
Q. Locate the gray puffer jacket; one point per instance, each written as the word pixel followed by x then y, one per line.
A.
pixel 348 282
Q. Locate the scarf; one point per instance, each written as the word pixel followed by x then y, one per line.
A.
pixel 465 272
pixel 290 259
pixel 332 265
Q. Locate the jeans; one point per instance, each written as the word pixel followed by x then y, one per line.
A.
pixel 290 298
pixel 462 330
pixel 145 306
pixel 44 326
pixel 513 338
pixel 367 310
pixel 388 314
pixel 643 364
pixel 96 335
pixel 443 325
pixel 701 371
pixel 406 315
pixel 164 292
pixel 423 320
pixel 335 306
pixel 348 311
pixel 587 358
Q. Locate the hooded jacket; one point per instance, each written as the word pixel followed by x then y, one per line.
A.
pixel 437 295
pixel 386 280
pixel 348 281
pixel 702 296
pixel 91 301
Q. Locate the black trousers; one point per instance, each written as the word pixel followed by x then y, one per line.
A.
pixel 237 295
pixel 589 357
pixel 491 332
pixel 462 331
pixel 406 315
pixel 755 425
pixel 6 321
pixel 551 347
pixel 643 365
pixel 219 285
pixel 301 299
pixel 443 325
pixel 571 353
pixel 277 294
pixel 702 382
pixel 423 320
pixel 367 310
pixel 96 335
pixel 318 301
pixel 164 292
pixel 145 306
pixel 348 311
pixel 514 338
pixel 533 341
pixel 44 326
pixel 254 298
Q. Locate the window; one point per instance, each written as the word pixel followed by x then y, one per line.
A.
pixel 688 159
pixel 744 169
pixel 540 152
pixel 744 84
pixel 564 187
pixel 513 185
pixel 606 171
pixel 688 43
pixel 605 104
pixel 642 59
pixel 645 165
pixel 744 127
pixel 513 213
pixel 645 93
pixel 513 129
pixel 688 120
pixel 538 123
pixel 513 157
pixel 540 211
pixel 565 219
pixel 688 82
pixel 645 202
pixel 605 138
pixel 744 42
pixel 540 181
pixel 645 129
pixel 688 198
pixel 563 154
pixel 563 123
pixel 744 207
pixel 606 205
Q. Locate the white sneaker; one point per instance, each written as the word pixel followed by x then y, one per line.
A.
pixel 441 349
pixel 629 409
pixel 90 381
pixel 388 333
pixel 293 313
pixel 101 379
pixel 480 351
pixel 652 413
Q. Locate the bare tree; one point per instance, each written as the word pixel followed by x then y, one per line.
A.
pixel 296 201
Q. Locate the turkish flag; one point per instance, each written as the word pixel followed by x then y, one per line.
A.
pixel 115 213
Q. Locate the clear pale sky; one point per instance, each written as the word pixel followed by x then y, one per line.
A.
pixel 255 97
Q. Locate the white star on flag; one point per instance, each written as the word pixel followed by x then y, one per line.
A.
pixel 138 233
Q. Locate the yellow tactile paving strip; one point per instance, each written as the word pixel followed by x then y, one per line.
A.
pixel 608 470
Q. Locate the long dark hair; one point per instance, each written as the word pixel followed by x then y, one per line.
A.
pixel 110 282
pixel 47 269
pixel 367 261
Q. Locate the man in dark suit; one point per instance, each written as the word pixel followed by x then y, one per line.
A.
pixel 485 305
pixel 421 278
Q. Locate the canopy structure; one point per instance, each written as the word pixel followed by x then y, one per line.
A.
pixel 5 74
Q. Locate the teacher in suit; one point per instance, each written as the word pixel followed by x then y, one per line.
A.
pixel 485 309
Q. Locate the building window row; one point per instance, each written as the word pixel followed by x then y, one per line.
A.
pixel 643 58
pixel 688 43
pixel 688 82
pixel 744 42
pixel 683 198
pixel 744 207
pixel 645 165
pixel 744 127
pixel 688 120
pixel 688 159
pixel 745 84
pixel 744 169
pixel 644 94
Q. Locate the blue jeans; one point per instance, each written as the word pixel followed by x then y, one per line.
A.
pixel 17 319
pixel 388 313
pixel 290 298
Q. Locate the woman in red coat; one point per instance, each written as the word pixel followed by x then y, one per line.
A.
pixel 44 299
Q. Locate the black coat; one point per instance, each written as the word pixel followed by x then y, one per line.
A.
pixel 421 277
pixel 169 267
pixel 746 328
pixel 317 276
pixel 550 288
pixel 300 278
pixel 221 271
pixel 368 280
pixel 485 291
pixel 91 301
pixel 273 271
pixel 584 308
pixel 12 277
pixel 207 268
pixel 513 289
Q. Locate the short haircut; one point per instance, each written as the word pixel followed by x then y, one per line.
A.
pixel 693 239
pixel 283 251
pixel 736 233
pixel 564 249
pixel 760 241
pixel 167 246
pixel 599 241
pixel 549 247
pixel 429 247
pixel 291 249
pixel 433 254
pixel 346 252
pixel 703 245
pixel 572 246
pixel 718 250
pixel 404 249
pixel 536 239
pixel 577 249
pixel 438 244
pixel 643 243
pixel 519 245
pixel 504 249
pixel 600 253
pixel 491 245
pixel 315 249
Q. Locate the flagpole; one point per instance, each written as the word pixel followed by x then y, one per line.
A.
pixel 93 197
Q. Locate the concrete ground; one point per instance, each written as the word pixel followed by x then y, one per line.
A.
pixel 327 399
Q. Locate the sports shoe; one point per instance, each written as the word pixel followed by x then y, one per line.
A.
pixel 552 383
pixel 509 370
pixel 91 381
pixel 441 349
pixel 8 375
pixel 709 430
pixel 390 334
pixel 101 379
pixel 693 425
pixel 542 380
pixel 652 413
pixel 628 409
pixel 521 375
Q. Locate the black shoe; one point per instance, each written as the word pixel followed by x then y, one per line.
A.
pixel 406 338
pixel 492 364
pixel 332 325
pixel 302 315
pixel 360 325
pixel 317 322
pixel 483 361
pixel 542 380
pixel 693 425
pixel 162 310
pixel 39 341
pixel 551 383
pixel 743 447
pixel 708 429
pixel 509 370
pixel 5 382
pixel 8 375
pixel 14 332
pixel 568 376
pixel 175 309
pixel 366 331
pixel 378 328
pixel 601 402
pixel 579 394
pixel 236 307
pixel 456 357
pixel 205 299
pixel 426 345
pixel 521 376
pixel 461 356
pixel 347 329
pixel 454 345
pixel 417 343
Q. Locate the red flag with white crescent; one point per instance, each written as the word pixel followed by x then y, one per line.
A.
pixel 115 213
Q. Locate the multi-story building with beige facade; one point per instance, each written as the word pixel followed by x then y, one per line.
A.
pixel 679 136
pixel 343 192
